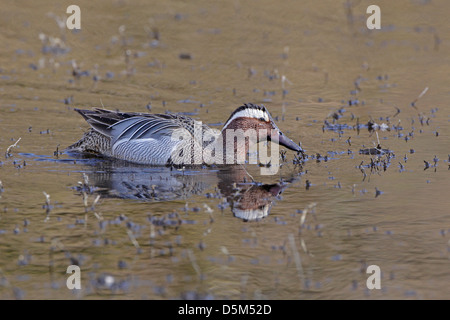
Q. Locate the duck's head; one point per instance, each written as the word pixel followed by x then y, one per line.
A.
pixel 250 116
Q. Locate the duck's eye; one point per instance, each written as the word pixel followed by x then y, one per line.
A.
pixel 262 119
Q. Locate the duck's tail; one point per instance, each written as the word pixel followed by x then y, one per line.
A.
pixel 92 142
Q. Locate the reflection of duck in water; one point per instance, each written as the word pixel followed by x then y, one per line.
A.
pixel 255 202
pixel 164 139
pixel 251 201
pixel 247 200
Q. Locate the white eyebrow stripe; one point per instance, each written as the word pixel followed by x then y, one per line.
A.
pixel 249 113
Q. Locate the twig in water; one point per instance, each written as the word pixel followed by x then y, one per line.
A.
pixel 193 262
pixel 209 211
pixel 7 154
pixel 305 212
pixel 283 80
pixel 243 167
pixel 95 201
pixel 133 239
pixel 377 192
pixel 398 111
pixel 47 206
pixel 302 242
pixel 56 152
pixel 413 104
pixel 97 215
pixel 297 259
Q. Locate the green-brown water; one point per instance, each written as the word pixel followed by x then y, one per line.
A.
pixel 207 58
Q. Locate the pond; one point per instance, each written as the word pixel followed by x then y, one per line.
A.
pixel 370 107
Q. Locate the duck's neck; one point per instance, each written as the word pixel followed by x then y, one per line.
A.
pixel 239 141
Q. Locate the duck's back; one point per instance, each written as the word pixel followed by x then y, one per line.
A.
pixel 136 137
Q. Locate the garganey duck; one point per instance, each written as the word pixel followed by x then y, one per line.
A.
pixel 167 139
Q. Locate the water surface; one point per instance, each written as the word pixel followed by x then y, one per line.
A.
pixel 159 234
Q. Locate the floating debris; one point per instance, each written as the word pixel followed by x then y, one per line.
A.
pixel 309 209
pixel 57 153
pixel 296 256
pixel 105 281
pixel 435 160
pixel 68 100
pixel 398 111
pixel 47 206
pixel 185 56
pixel 84 186
pixel 374 151
pixel 53 45
pixel 7 154
pixel 377 192
pixel 380 161
pixel 349 141
pixel 122 264
pixel 413 104
pixel 283 155
pixel 373 126
pixel 336 127
pixel 308 184
pixel 133 239
pixel 193 262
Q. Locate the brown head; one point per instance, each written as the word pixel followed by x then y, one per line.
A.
pixel 250 116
